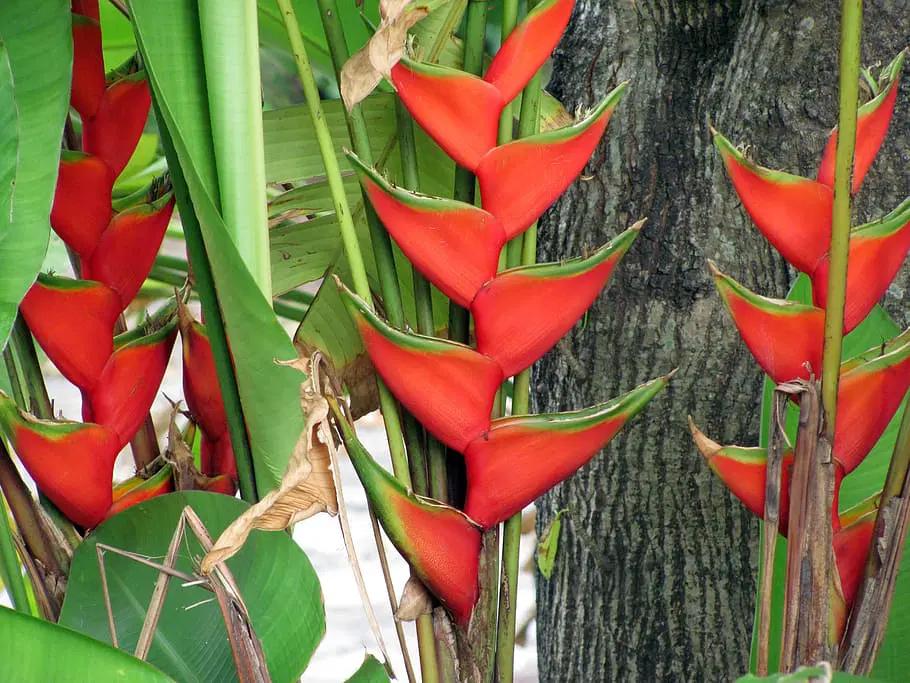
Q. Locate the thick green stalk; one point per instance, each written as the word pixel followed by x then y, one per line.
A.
pixel 9 564
pixel 360 139
pixel 475 29
pixel 214 324
pixel 851 28
pixel 382 244
pixel 230 47
pixel 528 123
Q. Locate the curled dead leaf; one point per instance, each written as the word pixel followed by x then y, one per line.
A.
pixel 306 489
pixel 415 600
pixel 366 68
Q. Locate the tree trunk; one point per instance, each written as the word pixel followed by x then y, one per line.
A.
pixel 655 574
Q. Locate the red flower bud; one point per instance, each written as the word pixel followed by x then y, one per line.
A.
pixel 115 130
pixel 72 462
pixel 127 249
pixel 200 380
pixel 873 119
pixel 88 66
pixel 73 321
pixel 82 201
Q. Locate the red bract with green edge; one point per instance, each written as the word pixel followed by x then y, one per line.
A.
pixel 439 542
pixel 518 314
pixel 88 66
pixel 777 202
pixel 129 383
pixel 785 337
pixel 455 245
pixel 521 313
pixel 126 251
pixel 113 133
pixel 82 201
pixel 521 457
pixel 138 489
pixel 200 382
pixel 877 251
pixel 548 163
pixel 71 462
pixel 873 120
pixel 73 321
pixel 463 382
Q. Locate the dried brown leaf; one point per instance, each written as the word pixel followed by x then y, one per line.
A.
pixel 306 489
pixel 366 68
pixel 415 600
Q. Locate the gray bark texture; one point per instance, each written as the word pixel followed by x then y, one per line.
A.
pixel 655 573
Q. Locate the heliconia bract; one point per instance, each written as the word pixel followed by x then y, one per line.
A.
pixel 113 133
pixel 519 314
pixel 786 338
pixel 82 201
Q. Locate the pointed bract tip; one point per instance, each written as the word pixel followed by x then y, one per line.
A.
pixel 707 447
pixel 666 378
pixel 713 269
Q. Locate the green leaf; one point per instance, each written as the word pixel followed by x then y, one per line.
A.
pixel 276 581
pixel 36 54
pixel 167 33
pixel 36 650
pixel 117 40
pixel 548 545
pixel 866 480
pixel 371 671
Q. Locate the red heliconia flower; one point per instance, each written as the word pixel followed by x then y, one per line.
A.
pixel 200 381
pixel 521 313
pixel 439 542
pixel 851 545
pixel 448 387
pixel 114 131
pixel 217 456
pixel 130 380
pixel 877 251
pixel 82 201
pixel 785 337
pixel 521 457
pixel 87 8
pixel 873 119
pixel 744 472
pixel 455 245
pixel 73 321
pixel 128 247
pixel 461 111
pixel 547 163
pixel 139 489
pixel 72 462
pixel 88 66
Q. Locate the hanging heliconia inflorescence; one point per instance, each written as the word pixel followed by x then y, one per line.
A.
pixel 786 337
pixel 75 320
pixel 519 314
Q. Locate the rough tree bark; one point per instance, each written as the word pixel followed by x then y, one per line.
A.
pixel 655 574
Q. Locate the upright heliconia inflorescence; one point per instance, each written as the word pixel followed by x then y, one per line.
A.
pixel 76 320
pixel 519 314
pixel 786 338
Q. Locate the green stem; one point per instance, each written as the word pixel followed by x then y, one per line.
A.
pixel 214 323
pixel 230 46
pixel 528 123
pixel 475 30
pixel 851 28
pixel 382 245
pixel 9 564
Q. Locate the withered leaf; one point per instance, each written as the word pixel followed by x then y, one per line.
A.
pixel 306 489
pixel 415 600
